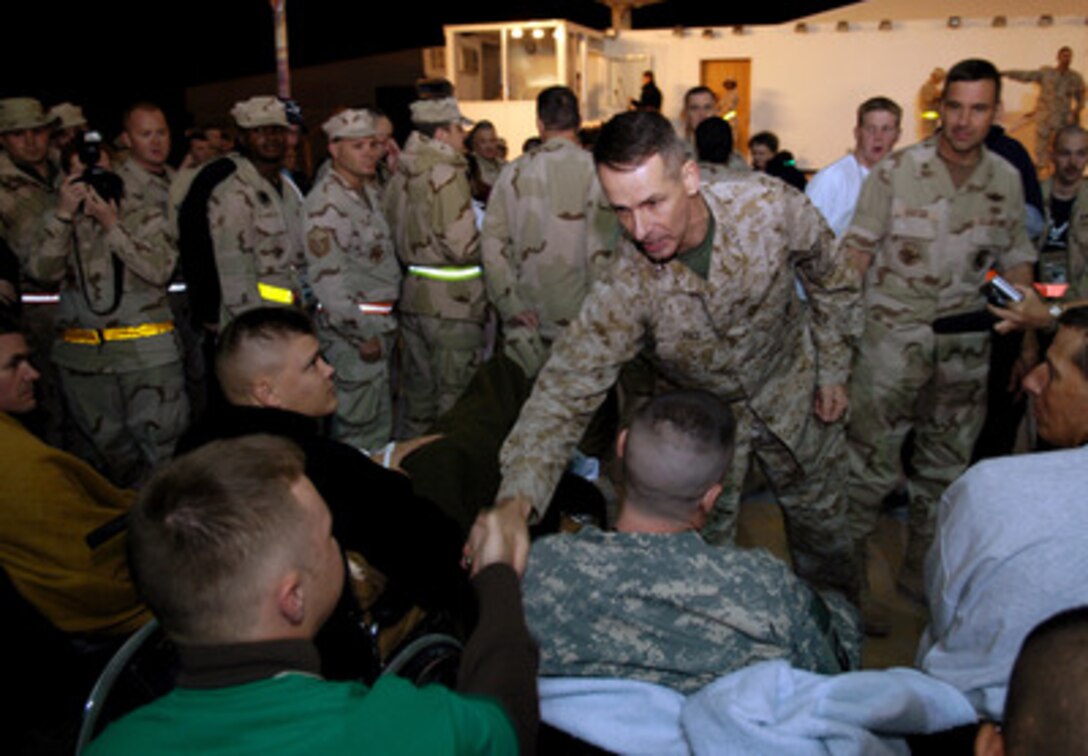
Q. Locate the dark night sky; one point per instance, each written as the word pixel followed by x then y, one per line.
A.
pixel 105 55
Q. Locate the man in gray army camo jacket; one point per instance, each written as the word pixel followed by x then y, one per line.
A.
pixel 356 278
pixel 548 232
pixel 704 282
pixel 429 206
pixel 655 602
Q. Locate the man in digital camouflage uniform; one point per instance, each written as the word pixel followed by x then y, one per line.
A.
pixel 356 278
pixel 1061 100
pixel 547 233
pixel 428 206
pixel 704 281
pixel 240 224
pixel 655 602
pixel 931 221
pixel 117 348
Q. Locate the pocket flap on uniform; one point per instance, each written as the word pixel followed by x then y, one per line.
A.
pixel 991 236
pixel 916 227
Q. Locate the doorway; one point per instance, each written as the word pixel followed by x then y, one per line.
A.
pixel 713 74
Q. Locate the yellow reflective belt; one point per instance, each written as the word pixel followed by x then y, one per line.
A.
pixel 124 333
pixel 446 273
pixel 376 308
pixel 277 294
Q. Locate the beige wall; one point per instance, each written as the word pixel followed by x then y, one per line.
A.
pixel 806 87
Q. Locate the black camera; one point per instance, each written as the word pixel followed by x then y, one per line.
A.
pixel 107 183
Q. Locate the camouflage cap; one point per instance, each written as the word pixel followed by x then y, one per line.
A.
pixel 351 124
pixel 17 113
pixel 259 111
pixel 68 115
pixel 438 111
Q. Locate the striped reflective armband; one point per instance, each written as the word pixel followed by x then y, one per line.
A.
pixel 446 273
pixel 376 308
pixel 40 297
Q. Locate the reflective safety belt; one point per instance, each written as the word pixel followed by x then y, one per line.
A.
pixel 277 294
pixel 376 308
pixel 446 273
pixel 40 297
pixel 123 333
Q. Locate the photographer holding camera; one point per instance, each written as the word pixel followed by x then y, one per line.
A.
pixel 117 350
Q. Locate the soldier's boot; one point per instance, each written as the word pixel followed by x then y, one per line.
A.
pixel 876 616
pixel 911 581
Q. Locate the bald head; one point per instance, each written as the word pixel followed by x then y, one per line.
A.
pixel 676 450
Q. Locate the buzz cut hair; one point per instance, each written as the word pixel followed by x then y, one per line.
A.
pixel 877 104
pixel 145 105
pixel 264 327
pixel 678 446
pixel 1071 130
pixel 1048 688
pixel 204 528
pixel 630 139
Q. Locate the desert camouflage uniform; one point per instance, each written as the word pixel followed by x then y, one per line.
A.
pixel 744 335
pixel 429 207
pixel 932 245
pixel 349 249
pixel 711 173
pixel 490 168
pixel 257 234
pixel 1058 90
pixel 673 610
pixel 127 395
pixel 549 230
pixel 25 201
pixel 1074 259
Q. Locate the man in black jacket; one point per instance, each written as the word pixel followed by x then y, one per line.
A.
pixel 275 382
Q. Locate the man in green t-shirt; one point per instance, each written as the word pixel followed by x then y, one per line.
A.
pixel 232 548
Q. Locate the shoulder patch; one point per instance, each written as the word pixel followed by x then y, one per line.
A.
pixel 319 241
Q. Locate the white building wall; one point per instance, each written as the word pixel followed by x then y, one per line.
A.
pixel 806 87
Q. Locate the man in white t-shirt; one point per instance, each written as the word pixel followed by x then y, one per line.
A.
pixel 834 190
